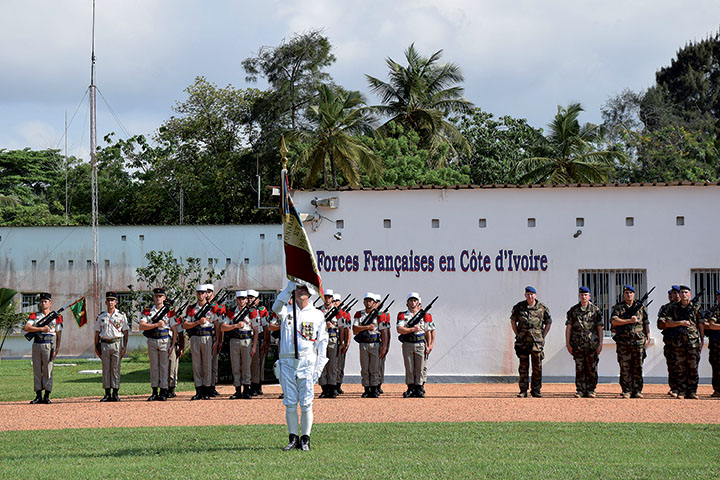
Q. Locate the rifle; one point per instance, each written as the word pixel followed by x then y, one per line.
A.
pixel 205 309
pixel 417 318
pixel 30 336
pixel 167 304
pixel 350 306
pixel 364 336
pixel 334 310
pixel 635 308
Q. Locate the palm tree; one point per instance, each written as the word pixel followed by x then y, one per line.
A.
pixel 338 118
pixel 570 153
pixel 421 96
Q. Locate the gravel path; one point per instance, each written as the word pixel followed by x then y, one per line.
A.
pixel 444 402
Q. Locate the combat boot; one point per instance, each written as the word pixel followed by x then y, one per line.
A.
pixel 294 442
pixel 324 391
pixel 37 399
pixel 107 397
pixel 46 398
pixel 408 393
pixel 422 388
pixel 206 391
pixel 332 391
pixel 305 443
pixel 212 391
pixel 171 392
pixel 419 391
pixel 372 392
pixel 237 395
pixel 339 390
pixel 162 396
pixel 198 395
pixel 115 396
pixel 366 393
pixel 254 389
pixel 154 395
pixel 379 389
pixel 246 392
pixel 258 389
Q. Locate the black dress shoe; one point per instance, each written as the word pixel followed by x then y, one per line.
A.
pixel 162 396
pixel 171 392
pixel 294 442
pixel 237 395
pixel 536 394
pixel 115 396
pixel 46 399
pixel 246 393
pixel 38 398
pixel 197 395
pixel 379 390
pixel 305 443
pixel 338 389
pixel 152 397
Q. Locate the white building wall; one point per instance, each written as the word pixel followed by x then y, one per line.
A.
pixel 250 254
pixel 474 337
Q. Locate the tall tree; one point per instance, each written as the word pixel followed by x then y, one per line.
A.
pixel 570 152
pixel 338 117
pixel 421 95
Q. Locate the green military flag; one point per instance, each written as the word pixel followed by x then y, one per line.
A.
pixel 79 312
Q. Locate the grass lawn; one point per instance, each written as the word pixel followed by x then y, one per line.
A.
pixel 390 450
pixel 16 378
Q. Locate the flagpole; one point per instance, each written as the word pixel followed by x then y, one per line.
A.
pixel 283 155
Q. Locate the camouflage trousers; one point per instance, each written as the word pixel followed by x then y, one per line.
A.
pixel 714 357
pixel 630 359
pixel 672 374
pixel 685 362
pixel 586 365
pixel 524 368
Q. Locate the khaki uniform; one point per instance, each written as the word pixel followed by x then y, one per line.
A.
pixel 630 343
pixel 584 341
pixel 329 373
pixel 413 348
pixel 43 349
pixel 111 329
pixel 202 338
pixel 176 332
pixel 370 351
pixel 241 341
pixel 158 344
pixel 529 342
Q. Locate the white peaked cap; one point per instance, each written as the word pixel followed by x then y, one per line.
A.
pixel 253 293
pixel 310 289
pixel 241 294
pixel 209 286
pixel 369 295
pixel 200 288
pixel 328 292
pixel 414 295
pixel 337 296
pixel 378 297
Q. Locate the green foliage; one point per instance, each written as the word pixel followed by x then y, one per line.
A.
pixel 570 153
pixel 8 318
pixel 498 146
pixel 533 450
pixel 420 97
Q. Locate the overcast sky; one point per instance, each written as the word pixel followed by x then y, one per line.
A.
pixel 519 58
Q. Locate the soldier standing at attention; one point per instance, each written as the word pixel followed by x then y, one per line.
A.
pixel 415 346
pixel 111 339
pixel 712 326
pixel 344 329
pixel 583 339
pixel 243 343
pixel 384 321
pixel 632 335
pixel 45 348
pixel 370 346
pixel 259 316
pixel 217 313
pixel 177 347
pixel 302 358
pixel 328 379
pixel 673 297
pixel 158 344
pixel 686 327
pixel 530 321
pixel 201 335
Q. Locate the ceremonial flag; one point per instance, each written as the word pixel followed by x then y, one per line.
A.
pixel 79 312
pixel 300 262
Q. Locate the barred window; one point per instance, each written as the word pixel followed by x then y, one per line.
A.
pixel 267 297
pixel 705 280
pixel 606 288
pixel 126 305
pixel 29 302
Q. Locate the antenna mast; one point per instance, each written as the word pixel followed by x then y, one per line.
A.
pixel 93 175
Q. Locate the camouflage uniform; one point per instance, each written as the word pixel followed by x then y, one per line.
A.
pixel 584 341
pixel 630 342
pixel 685 345
pixel 667 349
pixel 714 348
pixel 529 341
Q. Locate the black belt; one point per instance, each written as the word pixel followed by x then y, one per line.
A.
pixel 40 342
pixel 114 340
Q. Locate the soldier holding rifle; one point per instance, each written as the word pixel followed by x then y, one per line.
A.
pixel 367 328
pixel 686 329
pixel 46 343
pixel 630 322
pixel 199 326
pixel 328 379
pixel 111 339
pixel 416 329
pixel 243 343
pixel 154 323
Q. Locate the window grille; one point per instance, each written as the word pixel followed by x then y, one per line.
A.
pixel 707 280
pixel 606 288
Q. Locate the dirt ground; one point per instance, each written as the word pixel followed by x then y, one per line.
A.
pixel 487 402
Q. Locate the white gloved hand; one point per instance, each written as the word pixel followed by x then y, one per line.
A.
pixel 283 297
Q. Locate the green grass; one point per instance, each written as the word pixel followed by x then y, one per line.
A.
pixel 16 378
pixel 397 450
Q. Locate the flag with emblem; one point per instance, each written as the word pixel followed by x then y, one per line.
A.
pixel 300 262
pixel 79 312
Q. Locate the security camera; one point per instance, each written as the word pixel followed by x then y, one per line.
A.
pixel 338 236
pixel 577 234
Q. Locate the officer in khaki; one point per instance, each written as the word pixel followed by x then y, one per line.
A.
pixel 111 339
pixel 370 346
pixel 202 338
pixel 632 334
pixel 159 340
pixel 530 321
pixel 243 343
pixel 44 349
pixel 328 379
pixel 417 343
pixel 583 339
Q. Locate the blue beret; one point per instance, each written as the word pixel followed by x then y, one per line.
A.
pixel 628 287
pixel 684 287
pixel 530 289
pixel 675 288
pixel 583 290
